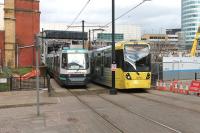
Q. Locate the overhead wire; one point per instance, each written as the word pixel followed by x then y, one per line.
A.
pixel 86 4
pixel 125 13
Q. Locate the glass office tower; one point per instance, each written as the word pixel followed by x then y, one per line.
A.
pixel 190 19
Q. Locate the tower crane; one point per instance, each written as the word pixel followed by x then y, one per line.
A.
pixel 195 43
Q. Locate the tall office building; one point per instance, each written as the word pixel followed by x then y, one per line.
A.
pixel 190 19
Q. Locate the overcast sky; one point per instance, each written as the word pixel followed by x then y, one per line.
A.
pixel 152 16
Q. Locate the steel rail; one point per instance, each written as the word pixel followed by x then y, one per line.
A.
pixel 93 110
pixel 142 116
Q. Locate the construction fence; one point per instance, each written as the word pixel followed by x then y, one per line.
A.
pixel 170 71
pixel 176 77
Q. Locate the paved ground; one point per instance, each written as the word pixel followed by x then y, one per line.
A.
pixel 153 112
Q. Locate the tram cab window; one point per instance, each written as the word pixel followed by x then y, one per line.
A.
pixel 128 67
pixel 119 58
pixel 144 64
pixel 87 61
pixel 64 60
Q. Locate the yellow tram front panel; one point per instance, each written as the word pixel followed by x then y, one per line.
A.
pixel 119 79
pixel 137 80
pixel 131 80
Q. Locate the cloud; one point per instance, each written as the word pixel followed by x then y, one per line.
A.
pixel 150 15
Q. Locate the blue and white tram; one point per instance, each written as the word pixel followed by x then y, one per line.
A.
pixel 69 66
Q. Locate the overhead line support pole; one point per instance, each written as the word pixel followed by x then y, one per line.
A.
pixel 83 33
pixel 89 40
pixel 113 90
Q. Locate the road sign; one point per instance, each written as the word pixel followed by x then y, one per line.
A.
pixel 113 67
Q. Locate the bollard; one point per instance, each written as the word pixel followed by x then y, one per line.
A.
pixel 20 82
pixel 195 76
pixel 48 85
pixel 44 82
pixel 11 83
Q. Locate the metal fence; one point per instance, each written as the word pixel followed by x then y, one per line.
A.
pixel 18 83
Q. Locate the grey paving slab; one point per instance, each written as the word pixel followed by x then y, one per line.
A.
pixel 69 115
pixel 181 97
pixel 178 118
pixel 24 98
pixel 126 121
pixel 171 101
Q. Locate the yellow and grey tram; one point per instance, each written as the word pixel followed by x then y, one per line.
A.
pixel 133 61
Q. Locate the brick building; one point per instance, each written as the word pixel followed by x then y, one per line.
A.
pixel 2 35
pixel 22 22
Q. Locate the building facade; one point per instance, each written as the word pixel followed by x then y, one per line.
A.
pixel 130 31
pixel 173 31
pixel 170 39
pixel 154 38
pixel 190 19
pixel 2 34
pixel 107 37
pixel 1 17
pixel 22 23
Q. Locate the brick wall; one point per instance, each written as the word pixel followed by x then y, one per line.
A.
pixel 27 25
pixel 2 40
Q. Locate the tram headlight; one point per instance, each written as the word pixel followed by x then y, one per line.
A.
pixel 148 76
pixel 128 76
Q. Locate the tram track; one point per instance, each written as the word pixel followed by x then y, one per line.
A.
pixel 96 112
pixel 141 116
pixel 168 104
pixel 123 108
pixel 171 97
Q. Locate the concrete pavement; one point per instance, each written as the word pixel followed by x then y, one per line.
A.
pixel 102 113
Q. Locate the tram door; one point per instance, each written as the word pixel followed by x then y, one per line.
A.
pixel 99 65
pixel 102 64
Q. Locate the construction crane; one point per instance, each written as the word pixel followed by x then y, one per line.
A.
pixel 195 43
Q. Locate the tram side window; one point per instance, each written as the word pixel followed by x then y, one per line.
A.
pixel 55 63
pixel 58 63
pixel 107 60
pixel 98 61
pixel 119 58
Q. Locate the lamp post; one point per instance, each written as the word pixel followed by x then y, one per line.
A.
pixel 37 70
pixel 37 46
pixel 83 28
